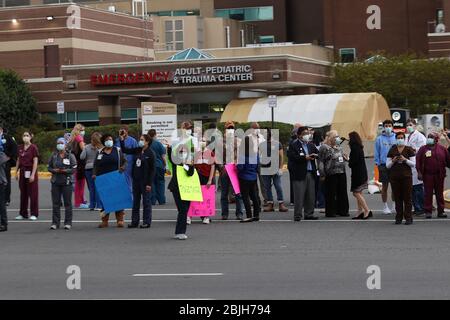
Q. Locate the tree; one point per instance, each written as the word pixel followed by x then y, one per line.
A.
pixel 17 105
pixel 421 85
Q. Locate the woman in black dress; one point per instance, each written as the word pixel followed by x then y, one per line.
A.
pixel 359 175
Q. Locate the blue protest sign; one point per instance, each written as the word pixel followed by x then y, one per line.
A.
pixel 114 191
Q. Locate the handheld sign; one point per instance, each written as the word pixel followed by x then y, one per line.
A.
pixel 113 191
pixel 233 175
pixel 190 189
pixel 207 207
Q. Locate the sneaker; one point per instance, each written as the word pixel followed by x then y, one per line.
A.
pixel 33 218
pixel 20 217
pixel 7 204
pixel 53 227
pixel 180 237
pixel 393 209
pixel 3 228
pixel 144 226
pixel 189 220
pixel 83 206
pixel 206 221
pixel 239 217
pixel 67 227
pixel 386 210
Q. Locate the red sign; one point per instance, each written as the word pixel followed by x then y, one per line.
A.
pixel 129 78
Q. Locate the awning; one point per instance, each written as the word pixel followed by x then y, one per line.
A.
pixel 359 112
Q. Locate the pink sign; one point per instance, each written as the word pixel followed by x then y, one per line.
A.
pixel 233 175
pixel 207 207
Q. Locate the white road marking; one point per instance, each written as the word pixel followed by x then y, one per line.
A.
pixel 175 274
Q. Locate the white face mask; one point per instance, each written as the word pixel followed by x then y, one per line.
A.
pixel 82 133
pixel 306 138
pixel 109 143
pixel 60 147
pixel 188 132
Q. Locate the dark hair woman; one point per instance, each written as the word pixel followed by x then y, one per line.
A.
pixel 109 159
pixel 400 160
pixel 143 173
pixel 357 164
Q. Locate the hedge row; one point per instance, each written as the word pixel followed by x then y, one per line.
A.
pixel 46 140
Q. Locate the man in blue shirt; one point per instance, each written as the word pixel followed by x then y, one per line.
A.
pixel 383 144
pixel 159 185
pixel 130 143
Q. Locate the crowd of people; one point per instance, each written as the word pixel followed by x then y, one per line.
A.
pixel 413 164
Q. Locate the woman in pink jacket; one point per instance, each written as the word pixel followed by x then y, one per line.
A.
pixel 431 162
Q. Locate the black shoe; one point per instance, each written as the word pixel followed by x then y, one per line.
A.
pixel 224 217
pixel 132 226
pixel 418 213
pixel 144 226
pixel 359 216
pixel 297 219
pixel 370 214
pixel 311 218
pixel 3 228
pixel 428 216
pixel 247 220
pixel 255 218
pixel 408 222
pixel 398 222
pixel 7 204
pixel 442 216
pixel 330 216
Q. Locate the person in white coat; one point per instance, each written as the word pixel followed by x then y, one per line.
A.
pixel 416 140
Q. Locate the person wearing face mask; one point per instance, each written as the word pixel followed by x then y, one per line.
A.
pixel 159 182
pixel 61 165
pixel 109 159
pixel 143 175
pixel 291 139
pixel 257 138
pixel 416 140
pixel 76 145
pixel 179 156
pixel 130 143
pixel 26 173
pixel 400 160
pixel 432 160
pixel 302 154
pixel 230 143
pixel 88 155
pixel 8 145
pixel 383 144
pixel 332 170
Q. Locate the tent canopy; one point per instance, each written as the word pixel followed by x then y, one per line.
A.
pixel 346 112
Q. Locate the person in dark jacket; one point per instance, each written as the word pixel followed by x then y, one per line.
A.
pixel 3 182
pixel 8 145
pixel 62 165
pixel 301 156
pixel 248 162
pixel 357 163
pixel 180 156
pixel 291 139
pixel 143 174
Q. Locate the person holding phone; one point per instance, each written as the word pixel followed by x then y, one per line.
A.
pixel 302 154
pixel 400 161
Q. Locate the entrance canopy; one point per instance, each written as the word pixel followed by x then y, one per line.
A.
pixel 347 112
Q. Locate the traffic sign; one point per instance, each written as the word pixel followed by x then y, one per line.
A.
pixel 60 107
pixel 272 101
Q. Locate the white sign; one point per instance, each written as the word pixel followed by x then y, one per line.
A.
pixel 159 116
pixel 213 74
pixel 272 101
pixel 60 107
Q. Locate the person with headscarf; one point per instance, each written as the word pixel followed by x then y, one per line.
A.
pixel 431 162
pixel 62 165
pixel 400 160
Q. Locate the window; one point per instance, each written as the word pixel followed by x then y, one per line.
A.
pixel 347 55
pixel 266 39
pixel 14 3
pixel 174 34
pixel 177 13
pixel 247 14
pixel 440 16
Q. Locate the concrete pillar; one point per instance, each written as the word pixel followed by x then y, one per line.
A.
pixel 109 110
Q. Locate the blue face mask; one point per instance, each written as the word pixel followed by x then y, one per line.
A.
pixel 430 141
pixel 388 131
pixel 109 143
pixel 60 147
pixel 400 142
pixel 141 143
